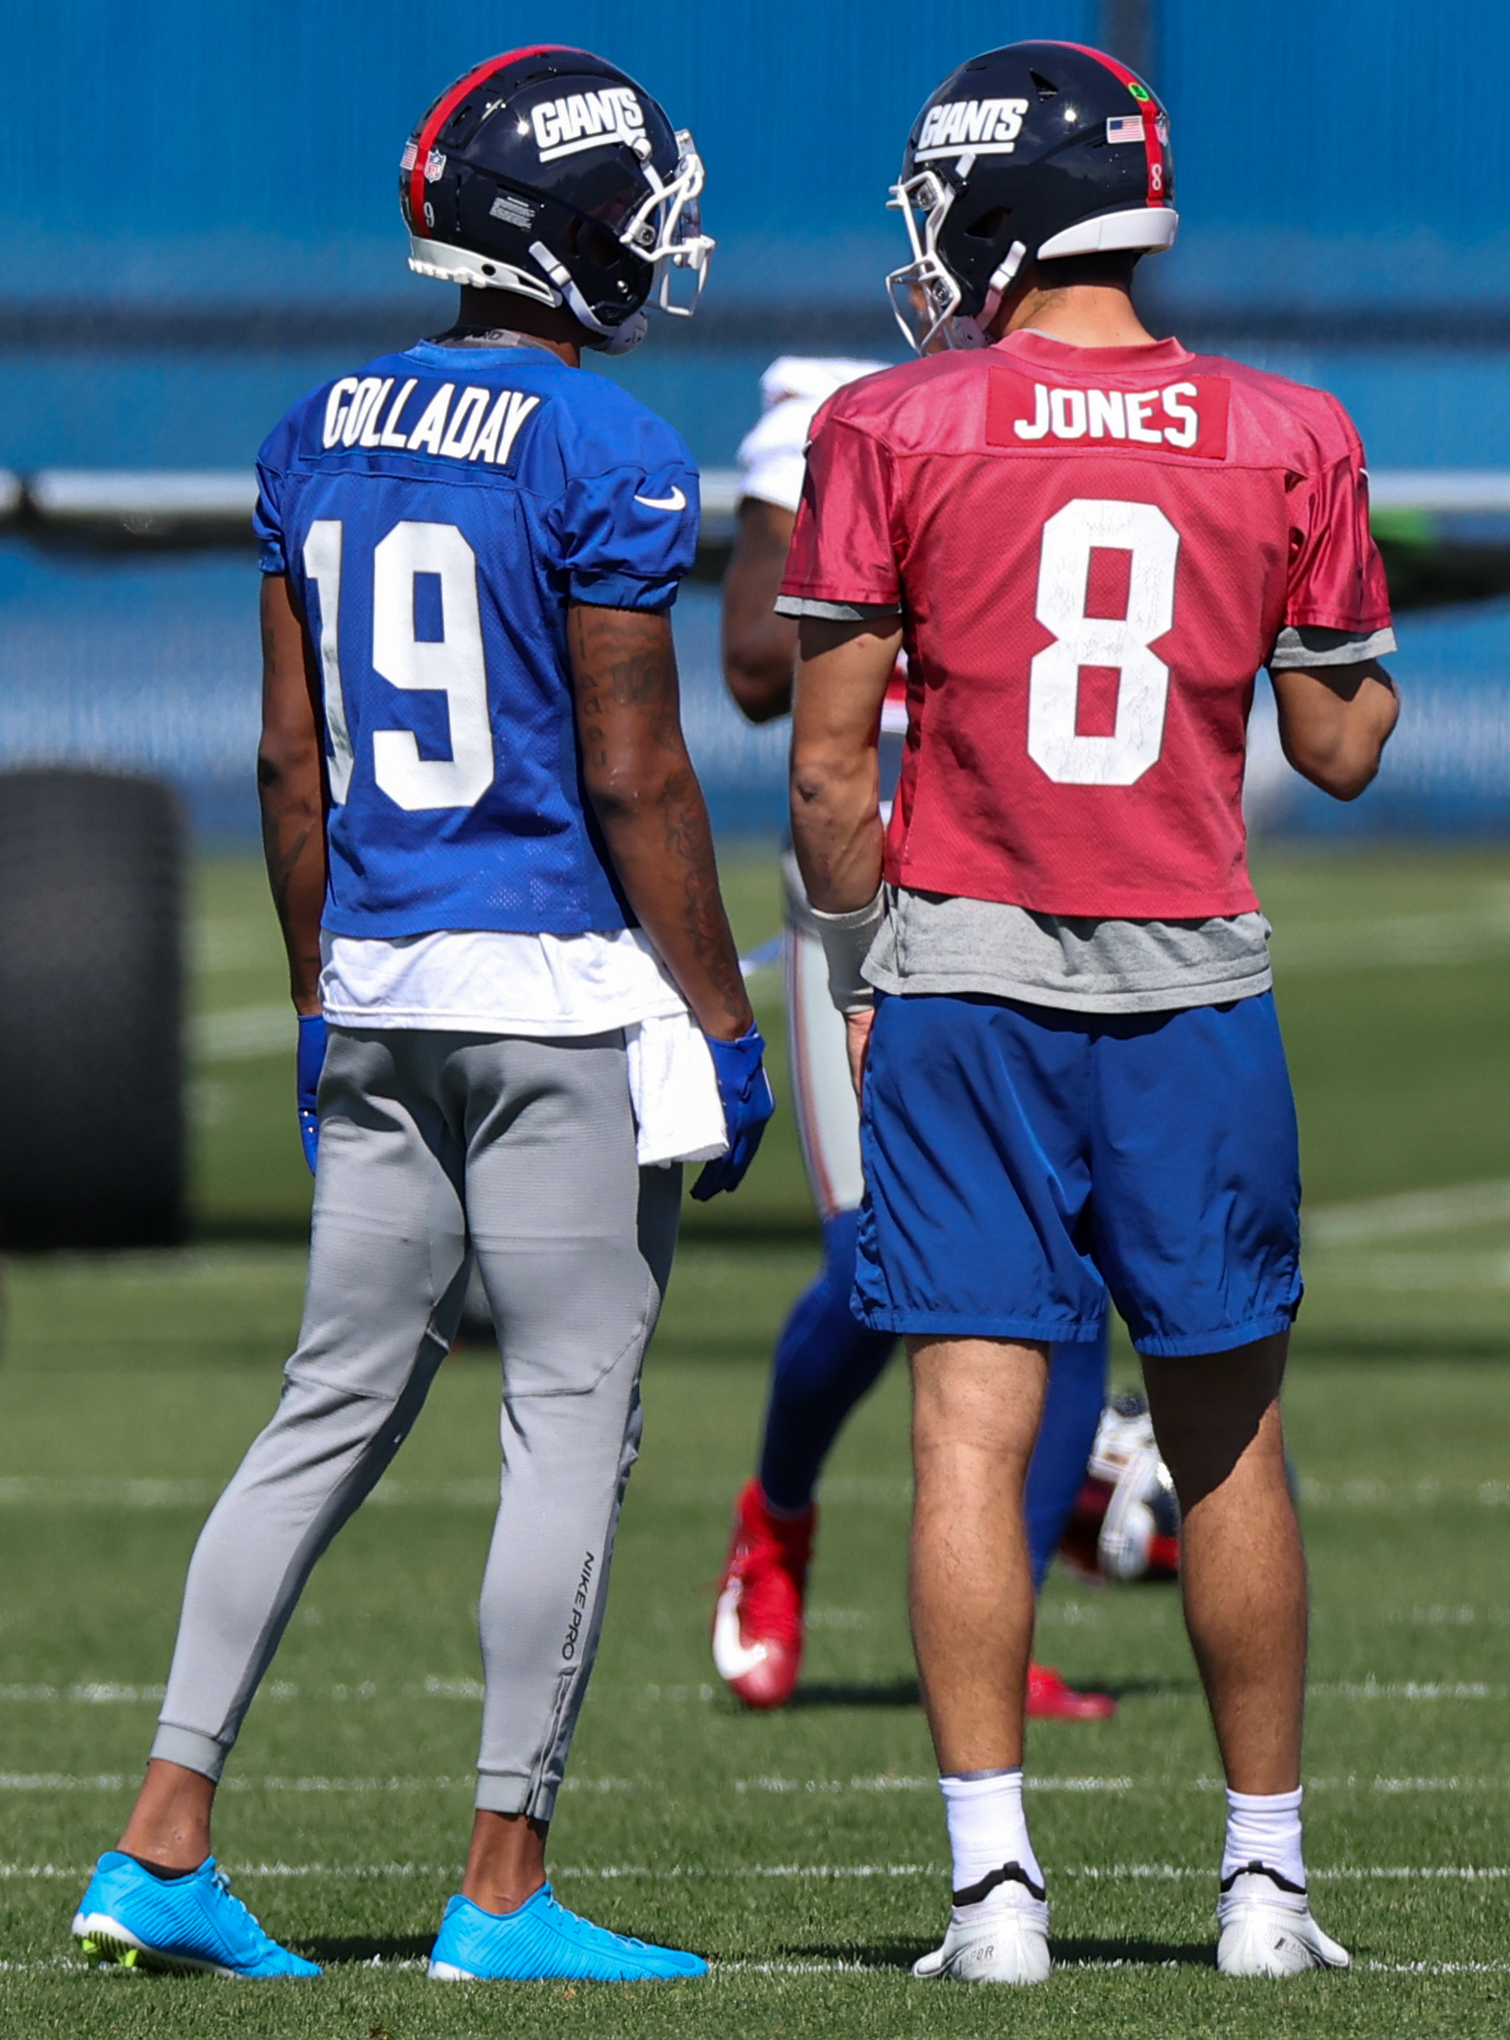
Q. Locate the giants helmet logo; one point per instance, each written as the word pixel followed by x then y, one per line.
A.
pixel 988 126
pixel 587 120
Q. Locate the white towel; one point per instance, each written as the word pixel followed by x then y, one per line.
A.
pixel 674 1092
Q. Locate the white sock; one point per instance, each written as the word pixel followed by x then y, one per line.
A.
pixel 987 1827
pixel 1264 1827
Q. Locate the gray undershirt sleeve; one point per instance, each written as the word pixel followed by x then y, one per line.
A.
pixel 837 612
pixel 1308 645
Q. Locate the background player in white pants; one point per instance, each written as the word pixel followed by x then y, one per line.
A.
pixel 826 1360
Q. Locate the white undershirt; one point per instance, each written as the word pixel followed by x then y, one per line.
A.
pixel 773 453
pixel 773 460
pixel 551 987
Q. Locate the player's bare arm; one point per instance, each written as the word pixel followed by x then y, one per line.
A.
pixel 842 672
pixel 645 794
pixel 291 788
pixel 759 647
pixel 1334 723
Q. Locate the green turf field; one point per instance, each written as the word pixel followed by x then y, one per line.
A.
pixel 805 1852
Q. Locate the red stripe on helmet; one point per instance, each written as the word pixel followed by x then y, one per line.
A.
pixel 1148 106
pixel 442 111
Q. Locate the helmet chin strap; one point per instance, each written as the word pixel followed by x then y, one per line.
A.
pixel 966 331
pixel 960 334
pixel 620 339
pixel 624 338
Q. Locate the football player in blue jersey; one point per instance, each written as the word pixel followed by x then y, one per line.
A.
pixel 492 863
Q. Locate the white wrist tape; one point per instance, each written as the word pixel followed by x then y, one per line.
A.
pixel 846 944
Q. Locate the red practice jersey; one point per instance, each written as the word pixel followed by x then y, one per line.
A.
pixel 1094 550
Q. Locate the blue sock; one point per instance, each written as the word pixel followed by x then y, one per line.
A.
pixel 1071 1411
pixel 826 1360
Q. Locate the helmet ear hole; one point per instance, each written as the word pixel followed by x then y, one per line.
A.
pixel 990 224
pixel 586 238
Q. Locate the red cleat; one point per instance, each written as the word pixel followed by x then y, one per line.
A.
pixel 1050 1699
pixel 757 1624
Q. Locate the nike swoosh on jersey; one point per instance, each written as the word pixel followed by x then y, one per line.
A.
pixel 731 1654
pixel 675 501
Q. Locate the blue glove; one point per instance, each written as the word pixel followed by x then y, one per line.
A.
pixel 744 1091
pixel 307 1067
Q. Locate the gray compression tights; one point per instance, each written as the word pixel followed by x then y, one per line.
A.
pixel 429 1141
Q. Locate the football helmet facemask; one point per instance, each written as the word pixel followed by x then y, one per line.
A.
pixel 551 173
pixel 1038 150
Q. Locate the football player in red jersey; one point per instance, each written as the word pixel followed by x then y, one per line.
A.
pixel 1054 968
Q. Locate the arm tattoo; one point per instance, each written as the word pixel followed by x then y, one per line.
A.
pixel 635 763
pixel 614 677
pixel 689 846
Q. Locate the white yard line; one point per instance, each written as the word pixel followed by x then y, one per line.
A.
pixel 1080 1965
pixel 827 1873
pixel 108 1693
pixel 1352 1873
pixel 1084 1965
pixel 1404 1494
pixel 70 1781
pixel 1395 941
pixel 799 1969
pixel 1404 1785
pixel 1417 1211
pixel 1371 1689
pixel 25 1490
pixel 56 1490
pixel 1435 1968
pixel 120 1781
pixel 243 1033
pixel 223 943
pixel 50 1965
pixel 886 1784
pixel 43 1872
pixel 1419 1273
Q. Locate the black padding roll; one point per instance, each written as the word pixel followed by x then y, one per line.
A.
pixel 91 1011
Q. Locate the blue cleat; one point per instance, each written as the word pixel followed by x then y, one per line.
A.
pixel 542 1939
pixel 181 1923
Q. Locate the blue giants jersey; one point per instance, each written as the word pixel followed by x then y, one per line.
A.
pixel 435 516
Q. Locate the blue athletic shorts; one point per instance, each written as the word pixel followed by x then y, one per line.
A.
pixel 1022 1161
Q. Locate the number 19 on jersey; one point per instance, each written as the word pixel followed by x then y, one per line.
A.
pixel 452 665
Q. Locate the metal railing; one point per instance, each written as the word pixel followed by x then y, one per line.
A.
pixel 198 505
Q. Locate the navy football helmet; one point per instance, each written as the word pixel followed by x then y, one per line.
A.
pixel 549 172
pixel 1038 150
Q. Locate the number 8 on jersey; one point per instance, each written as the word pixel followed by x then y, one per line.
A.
pixel 1122 643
